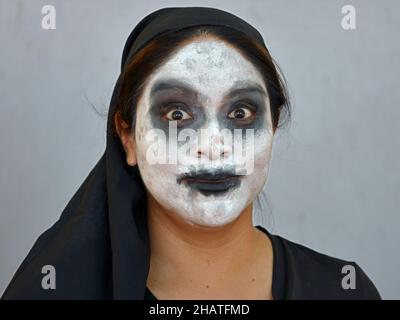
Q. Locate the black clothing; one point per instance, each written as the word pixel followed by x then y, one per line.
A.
pixel 301 273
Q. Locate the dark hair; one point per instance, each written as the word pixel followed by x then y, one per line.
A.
pixel 157 51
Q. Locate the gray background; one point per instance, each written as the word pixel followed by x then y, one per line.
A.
pixel 334 182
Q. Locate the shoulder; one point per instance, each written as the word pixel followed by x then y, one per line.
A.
pixel 315 275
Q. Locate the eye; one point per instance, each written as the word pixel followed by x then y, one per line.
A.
pixel 177 115
pixel 241 113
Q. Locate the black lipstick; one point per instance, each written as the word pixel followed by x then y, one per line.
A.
pixel 211 182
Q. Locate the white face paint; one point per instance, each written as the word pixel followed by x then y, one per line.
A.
pixel 212 69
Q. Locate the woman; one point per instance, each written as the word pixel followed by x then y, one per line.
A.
pixel 167 211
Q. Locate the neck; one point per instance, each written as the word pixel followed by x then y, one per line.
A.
pixel 200 256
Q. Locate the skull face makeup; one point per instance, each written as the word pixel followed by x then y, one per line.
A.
pixel 209 86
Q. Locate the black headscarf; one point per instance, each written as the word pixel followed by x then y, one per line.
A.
pixel 99 247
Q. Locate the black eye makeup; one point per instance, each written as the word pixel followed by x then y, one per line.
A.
pixel 243 111
pixel 176 112
pixel 177 115
pixel 174 100
pixel 240 114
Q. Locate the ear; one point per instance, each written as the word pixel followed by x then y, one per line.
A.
pixel 127 139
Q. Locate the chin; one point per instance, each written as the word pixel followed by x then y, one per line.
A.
pixel 212 212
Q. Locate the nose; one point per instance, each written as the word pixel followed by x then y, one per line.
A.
pixel 213 146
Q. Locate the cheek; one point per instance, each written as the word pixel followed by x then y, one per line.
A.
pixel 262 148
pixel 141 142
pixel 252 152
pixel 158 177
pixel 148 140
pixel 261 162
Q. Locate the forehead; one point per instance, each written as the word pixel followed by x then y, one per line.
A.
pixel 210 65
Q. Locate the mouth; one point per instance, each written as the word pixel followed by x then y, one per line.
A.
pixel 208 183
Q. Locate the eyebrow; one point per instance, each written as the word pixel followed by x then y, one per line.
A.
pixel 171 84
pixel 240 87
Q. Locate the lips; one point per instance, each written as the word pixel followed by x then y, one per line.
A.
pixel 211 183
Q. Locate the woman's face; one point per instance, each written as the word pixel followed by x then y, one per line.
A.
pixel 203 134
